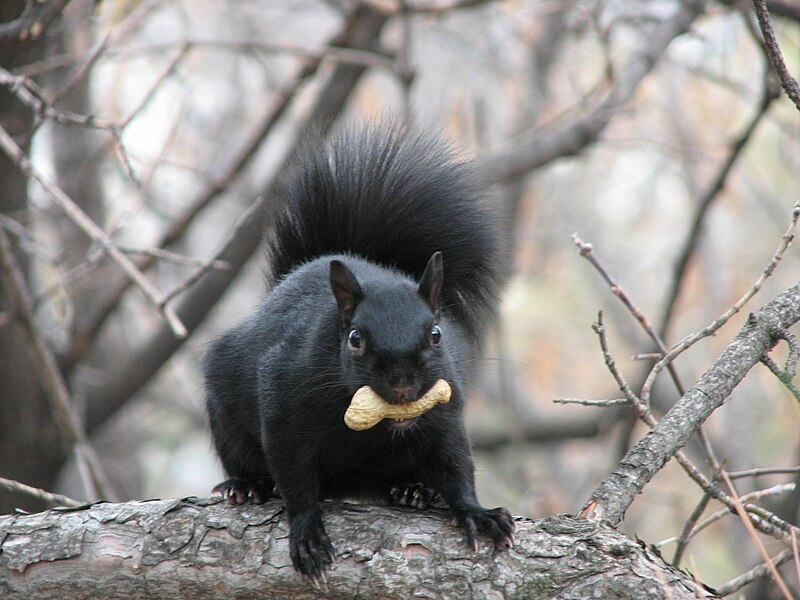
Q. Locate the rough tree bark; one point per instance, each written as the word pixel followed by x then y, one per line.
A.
pixel 204 548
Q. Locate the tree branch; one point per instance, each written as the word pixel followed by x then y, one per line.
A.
pixel 615 494
pixel 789 83
pixel 585 129
pixel 32 23
pixel 206 548
pixel 704 202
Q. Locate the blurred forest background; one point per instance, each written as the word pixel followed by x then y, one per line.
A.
pixel 155 128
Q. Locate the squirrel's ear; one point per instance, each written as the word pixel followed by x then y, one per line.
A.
pixel 430 284
pixel 346 290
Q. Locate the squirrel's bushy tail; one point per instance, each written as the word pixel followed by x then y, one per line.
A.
pixel 393 197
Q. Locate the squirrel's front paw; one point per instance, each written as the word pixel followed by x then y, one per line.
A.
pixel 497 523
pixel 310 547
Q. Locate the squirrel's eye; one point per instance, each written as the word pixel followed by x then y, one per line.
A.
pixel 436 335
pixel 354 339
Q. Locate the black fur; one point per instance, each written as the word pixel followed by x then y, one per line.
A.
pixel 355 249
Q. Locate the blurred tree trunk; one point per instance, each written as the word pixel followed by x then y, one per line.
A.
pixel 30 446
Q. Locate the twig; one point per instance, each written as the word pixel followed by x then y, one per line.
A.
pixel 251 211
pixel 428 9
pixel 616 492
pixel 586 250
pixel 49 497
pixel 690 340
pixel 131 21
pixel 705 201
pixel 94 232
pixel 51 379
pixel 146 99
pixel 761 471
pixel 688 529
pixel 177 259
pixel 690 532
pixel 787 374
pixel 601 403
pixel 31 94
pixel 34 248
pixel 754 536
pixel 796 553
pixel 789 83
pixel 353 56
pixel 759 572
pixel 405 72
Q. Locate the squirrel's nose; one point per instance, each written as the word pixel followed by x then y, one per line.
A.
pixel 403 393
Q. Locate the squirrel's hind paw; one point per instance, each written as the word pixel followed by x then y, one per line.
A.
pixel 415 495
pixel 239 491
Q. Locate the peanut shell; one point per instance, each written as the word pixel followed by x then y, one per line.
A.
pixel 367 408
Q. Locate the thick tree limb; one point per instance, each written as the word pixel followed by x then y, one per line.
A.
pixel 616 493
pixel 204 548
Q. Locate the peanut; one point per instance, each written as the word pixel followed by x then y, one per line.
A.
pixel 367 408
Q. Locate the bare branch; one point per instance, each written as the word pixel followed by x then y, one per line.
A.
pixel 746 520
pixel 233 165
pixel 688 533
pixel 789 83
pixel 645 415
pixel 430 8
pixel 706 200
pixel 688 530
pixel 690 340
pixel 601 403
pixel 54 499
pixel 250 213
pixel 644 410
pixel 612 498
pixel 754 574
pixel 131 21
pixel 787 374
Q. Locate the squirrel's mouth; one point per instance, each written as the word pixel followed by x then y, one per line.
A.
pixel 400 423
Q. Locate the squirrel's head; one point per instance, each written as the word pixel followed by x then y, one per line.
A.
pixel 391 337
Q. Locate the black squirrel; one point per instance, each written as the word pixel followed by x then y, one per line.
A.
pixel 386 266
